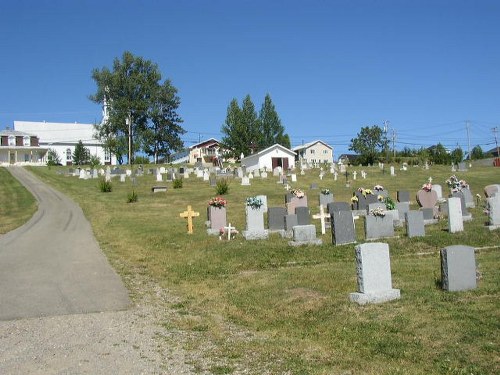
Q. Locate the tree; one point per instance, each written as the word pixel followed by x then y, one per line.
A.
pixel 53 157
pixel 457 155
pixel 270 129
pixel 439 155
pixel 240 128
pixel 141 111
pixel 81 155
pixel 477 153
pixel 368 143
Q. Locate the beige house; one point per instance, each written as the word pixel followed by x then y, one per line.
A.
pixel 314 152
pixel 206 152
pixel 20 148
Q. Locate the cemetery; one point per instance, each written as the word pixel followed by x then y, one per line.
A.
pixel 336 272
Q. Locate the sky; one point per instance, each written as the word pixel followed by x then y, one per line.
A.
pixel 430 69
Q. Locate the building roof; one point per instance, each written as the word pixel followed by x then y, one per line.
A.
pixel 269 149
pixel 58 132
pixel 15 133
pixel 206 143
pixel 309 144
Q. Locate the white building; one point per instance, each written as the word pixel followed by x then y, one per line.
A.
pixel 316 152
pixel 19 148
pixel 271 157
pixel 63 137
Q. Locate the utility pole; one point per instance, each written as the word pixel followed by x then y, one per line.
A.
pixel 494 130
pixel 468 137
pixel 393 142
pixel 128 120
pixel 386 129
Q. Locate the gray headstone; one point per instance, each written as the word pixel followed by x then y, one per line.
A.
pixel 276 218
pixel 460 195
pixel 415 224
pixel 403 196
pixel 402 207
pixel 428 213
pixel 324 199
pixel 427 199
pixel 373 267
pixel 255 224
pixel 314 186
pixel 455 218
pixel 439 191
pixel 290 222
pixel 303 215
pixel 491 190
pixel 469 199
pixel 378 227
pixel 494 211
pixel 342 225
pixel 373 206
pixel 217 218
pixel 245 181
pixel 305 234
pixel 458 268
pixel 338 206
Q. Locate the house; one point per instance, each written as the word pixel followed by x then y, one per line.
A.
pixel 206 152
pixel 270 158
pixel 314 152
pixel 63 137
pixel 20 148
pixel 348 159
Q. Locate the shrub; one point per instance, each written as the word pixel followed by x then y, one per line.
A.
pixel 389 203
pixel 132 197
pixel 222 186
pixel 105 186
pixel 177 183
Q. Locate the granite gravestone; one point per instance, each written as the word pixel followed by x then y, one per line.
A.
pixel 378 227
pixel 455 218
pixel 342 225
pixel 415 224
pixel 303 217
pixel 276 218
pixel 304 235
pixel 458 268
pixel 403 196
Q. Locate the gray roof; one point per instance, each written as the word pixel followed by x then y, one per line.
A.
pixel 14 133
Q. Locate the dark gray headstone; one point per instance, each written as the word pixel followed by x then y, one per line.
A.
pixel 314 186
pixel 338 206
pixel 303 217
pixel 458 268
pixel 379 226
pixel 459 194
pixel 415 224
pixel 428 213
pixel 276 218
pixel 402 207
pixel 342 225
pixel 403 196
pixel 290 222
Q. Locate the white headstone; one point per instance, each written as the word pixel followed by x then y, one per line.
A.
pixel 455 218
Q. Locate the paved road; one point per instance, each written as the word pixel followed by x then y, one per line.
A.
pixel 53 265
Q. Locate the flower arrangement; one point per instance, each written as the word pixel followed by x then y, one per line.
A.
pixel 389 203
pixel 297 193
pixel 254 202
pixel 379 211
pixel 427 186
pixel 217 202
pixel 364 191
pixel 380 198
pixel 227 233
pixel 378 188
pixel 354 199
pixel 455 184
pixel 325 191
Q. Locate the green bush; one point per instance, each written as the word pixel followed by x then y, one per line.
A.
pixel 105 186
pixel 222 186
pixel 177 183
pixel 389 203
pixel 132 197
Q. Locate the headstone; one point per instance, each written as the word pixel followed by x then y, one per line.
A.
pixel 122 177
pixel 427 199
pixel 304 235
pixel 299 202
pixel 324 199
pixel 493 204
pixel 403 208
pixel 250 176
pixel 206 175
pixel 263 175
pixel 335 176
pixel 439 191
pixel 323 217
pixel 159 177
pixel 378 227
pixel 465 213
pixel 303 217
pixel 276 218
pixel 256 173
pixel 263 199
pixel 415 224
pixel 293 177
pixel 373 267
pixel 189 214
pixel 290 222
pixel 217 219
pixel 342 225
pixel 245 181
pixel 382 192
pixel 458 268
pixel 128 172
pixel 392 171
pixel 276 171
pixel 83 174
pixel 403 196
pixel 255 224
pixel 491 190
pixel 213 181
pixel 455 219
pixel 186 174
pixel 162 170
pixel 314 186
pixel 338 206
pixel 354 174
pixel 95 173
pixel 428 214
pixel 469 199
pixel 462 166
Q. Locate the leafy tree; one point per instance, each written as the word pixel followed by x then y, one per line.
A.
pixel 477 153
pixel 271 131
pixel 439 155
pixel 81 155
pixel 240 128
pixel 53 158
pixel 94 161
pixel 457 155
pixel 368 143
pixel 139 108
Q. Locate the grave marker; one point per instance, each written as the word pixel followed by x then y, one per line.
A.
pixel 415 224
pixel 342 225
pixel 458 268
pixel 455 218
pixel 322 216
pixel 189 214
pixel 304 235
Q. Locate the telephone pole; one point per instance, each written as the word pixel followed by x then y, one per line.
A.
pixel 393 142
pixel 468 137
pixel 494 130
pixel 386 129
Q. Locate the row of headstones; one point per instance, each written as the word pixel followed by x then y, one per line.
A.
pixel 373 269
pixel 86 174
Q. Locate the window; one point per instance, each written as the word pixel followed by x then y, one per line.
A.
pixel 26 141
pixel 69 155
pixel 12 140
pixel 313 152
pixel 325 152
pixel 107 155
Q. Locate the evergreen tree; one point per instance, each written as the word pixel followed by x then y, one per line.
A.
pixel 270 129
pixel 81 156
pixel 53 157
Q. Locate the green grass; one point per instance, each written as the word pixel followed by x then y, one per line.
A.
pixel 269 307
pixel 17 205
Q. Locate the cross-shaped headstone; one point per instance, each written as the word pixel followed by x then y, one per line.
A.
pixel 189 214
pixel 229 228
pixel 322 216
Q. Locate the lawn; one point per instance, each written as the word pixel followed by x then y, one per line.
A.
pixel 17 205
pixel 267 307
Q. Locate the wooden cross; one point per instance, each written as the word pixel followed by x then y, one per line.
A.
pixel 322 216
pixel 229 228
pixel 189 214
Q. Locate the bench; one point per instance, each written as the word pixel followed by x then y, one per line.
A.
pixel 159 189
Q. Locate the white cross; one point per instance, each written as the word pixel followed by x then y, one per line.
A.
pixel 322 216
pixel 229 228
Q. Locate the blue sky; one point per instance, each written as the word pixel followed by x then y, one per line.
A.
pixel 330 67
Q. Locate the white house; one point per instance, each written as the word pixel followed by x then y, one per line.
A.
pixel 271 157
pixel 20 148
pixel 314 152
pixel 63 137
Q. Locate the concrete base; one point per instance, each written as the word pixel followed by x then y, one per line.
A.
pixel 493 227
pixel 467 218
pixel 379 297
pixel 431 222
pixel 302 243
pixel 255 235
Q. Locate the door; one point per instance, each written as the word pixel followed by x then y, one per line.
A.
pixel 12 158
